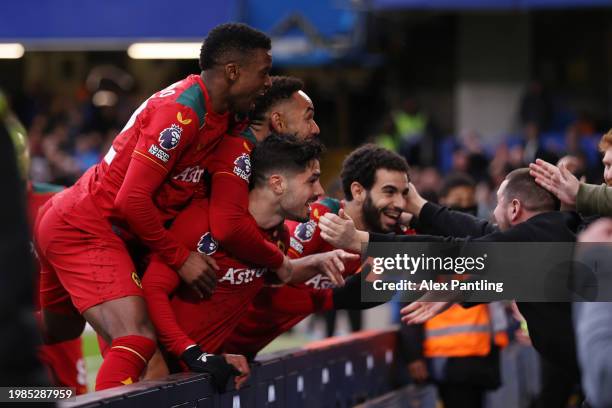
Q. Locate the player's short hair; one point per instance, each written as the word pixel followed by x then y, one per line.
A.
pixel 282 153
pixel 361 166
pixel 229 38
pixel 283 87
pixel 522 186
pixel 454 181
pixel 605 142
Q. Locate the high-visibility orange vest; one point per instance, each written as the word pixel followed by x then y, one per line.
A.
pixel 460 332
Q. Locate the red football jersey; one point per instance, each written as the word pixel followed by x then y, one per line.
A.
pixel 169 137
pixel 277 309
pixel 185 319
pixel 230 221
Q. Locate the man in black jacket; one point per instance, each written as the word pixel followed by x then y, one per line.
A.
pixel 525 212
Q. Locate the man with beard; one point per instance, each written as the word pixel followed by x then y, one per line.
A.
pixel 283 109
pixel 152 171
pixel 285 182
pixel 525 212
pixel 455 338
pixel 375 184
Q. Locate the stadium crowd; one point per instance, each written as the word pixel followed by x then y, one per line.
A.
pixel 147 244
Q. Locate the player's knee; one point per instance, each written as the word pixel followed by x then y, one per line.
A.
pixel 140 326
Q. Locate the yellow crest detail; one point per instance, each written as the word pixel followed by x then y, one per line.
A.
pixel 136 280
pixel 315 213
pixel 246 147
pixel 179 117
pixel 127 381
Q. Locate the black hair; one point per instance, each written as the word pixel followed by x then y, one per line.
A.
pixel 361 166
pixel 522 186
pixel 230 38
pixel 282 88
pixel 282 153
pixel 454 181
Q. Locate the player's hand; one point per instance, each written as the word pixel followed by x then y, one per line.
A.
pixel 285 272
pixel 414 202
pixel 241 364
pixel 339 231
pixel 420 312
pixel 219 367
pixel 418 371
pixel 199 272
pixel 332 264
pixel 557 180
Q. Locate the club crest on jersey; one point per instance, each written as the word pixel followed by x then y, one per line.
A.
pixel 242 166
pixel 305 230
pixel 169 137
pixel 207 244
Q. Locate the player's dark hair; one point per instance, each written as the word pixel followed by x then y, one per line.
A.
pixel 281 90
pixel 230 38
pixel 282 153
pixel 522 186
pixel 456 180
pixel 362 163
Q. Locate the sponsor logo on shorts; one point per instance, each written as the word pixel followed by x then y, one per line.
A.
pixel 320 282
pixel 305 231
pixel 170 137
pixel 295 244
pixel 242 167
pixel 239 276
pixel 207 244
pixel 136 280
pixel 190 174
pixel 159 153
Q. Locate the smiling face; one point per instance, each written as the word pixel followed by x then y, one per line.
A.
pixel 295 116
pixel 302 189
pixel 251 78
pixel 385 201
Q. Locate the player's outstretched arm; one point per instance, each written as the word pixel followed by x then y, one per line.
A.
pixel 234 227
pixel 331 263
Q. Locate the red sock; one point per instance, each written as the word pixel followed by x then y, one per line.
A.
pixel 124 361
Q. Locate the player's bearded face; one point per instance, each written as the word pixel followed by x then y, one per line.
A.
pixel 252 82
pixel 297 117
pixel 302 190
pixel 385 201
pixel 372 216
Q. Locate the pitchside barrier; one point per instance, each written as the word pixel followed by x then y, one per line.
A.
pixel 336 372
